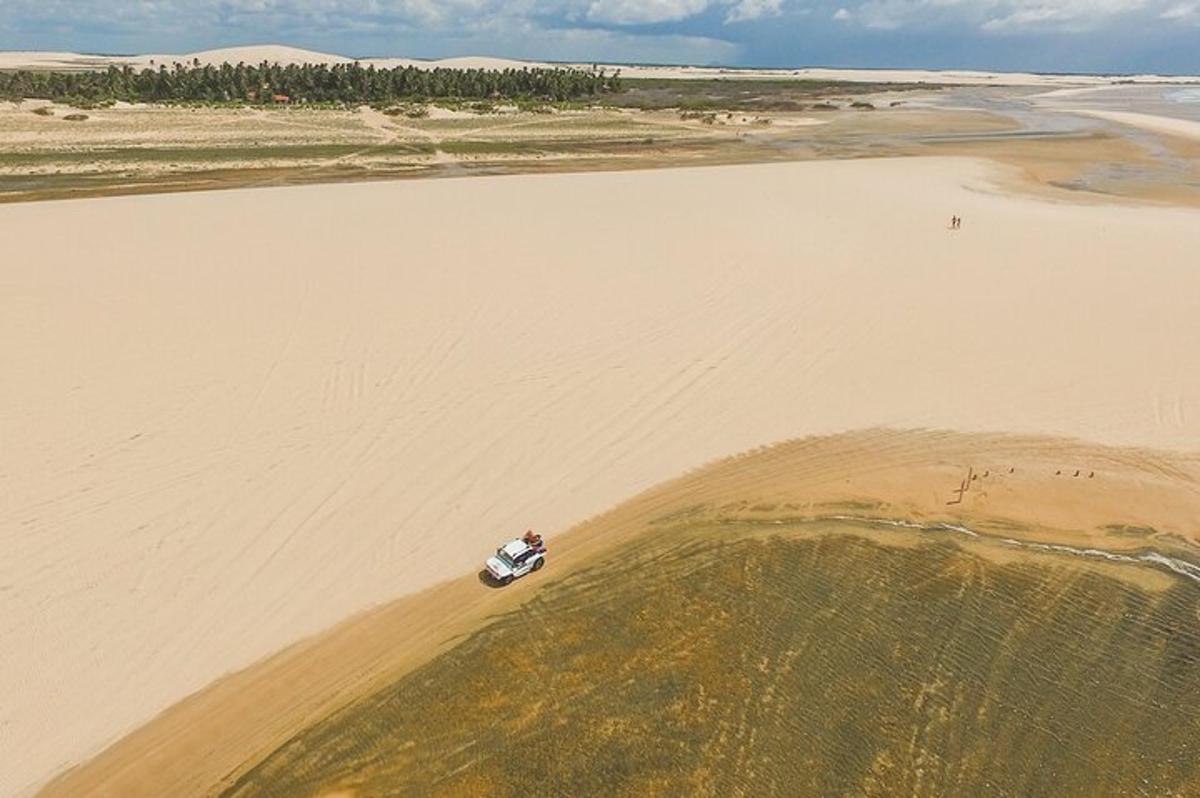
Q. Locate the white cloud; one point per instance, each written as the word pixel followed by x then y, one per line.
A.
pixel 1188 12
pixel 591 30
pixel 746 10
pixel 703 31
pixel 1062 14
pixel 644 12
pixel 464 16
pixel 649 12
pixel 992 15
pixel 606 45
pixel 890 14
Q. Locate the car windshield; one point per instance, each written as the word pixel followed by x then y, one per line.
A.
pixel 504 558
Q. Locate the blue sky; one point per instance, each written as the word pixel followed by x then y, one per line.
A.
pixel 1042 35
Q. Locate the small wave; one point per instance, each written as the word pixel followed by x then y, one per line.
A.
pixel 880 521
pixel 1181 567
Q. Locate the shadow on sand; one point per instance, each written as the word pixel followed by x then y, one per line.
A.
pixel 487 580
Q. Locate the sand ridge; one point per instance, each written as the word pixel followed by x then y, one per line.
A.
pixel 233 420
pixel 1020 489
pixel 1184 128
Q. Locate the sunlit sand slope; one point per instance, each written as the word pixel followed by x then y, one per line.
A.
pixel 232 420
pixel 944 597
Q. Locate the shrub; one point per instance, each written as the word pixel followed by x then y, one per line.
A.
pixel 705 117
pixel 44 110
pixel 76 117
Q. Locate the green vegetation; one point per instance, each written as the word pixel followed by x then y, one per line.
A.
pixel 309 83
pixel 795 660
pixel 416 111
pixel 705 117
pixel 742 94
pixel 208 155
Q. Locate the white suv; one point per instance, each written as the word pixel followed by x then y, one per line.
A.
pixel 514 559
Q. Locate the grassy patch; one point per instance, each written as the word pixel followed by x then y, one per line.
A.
pixel 810 666
pixel 558 146
pixel 1125 530
pixel 742 94
pixel 486 147
pixel 148 155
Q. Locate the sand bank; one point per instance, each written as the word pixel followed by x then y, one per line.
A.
pixel 1184 128
pixel 955 77
pixel 234 419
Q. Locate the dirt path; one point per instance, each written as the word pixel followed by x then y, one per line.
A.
pixel 393 130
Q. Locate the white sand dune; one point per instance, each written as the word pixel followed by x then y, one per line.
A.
pixel 252 54
pixel 232 419
pixel 58 61
pixel 282 54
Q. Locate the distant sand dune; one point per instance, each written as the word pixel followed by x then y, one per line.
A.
pixel 234 419
pixel 282 54
pixel 253 54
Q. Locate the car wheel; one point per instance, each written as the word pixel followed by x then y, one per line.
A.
pixel 506 580
pixel 538 564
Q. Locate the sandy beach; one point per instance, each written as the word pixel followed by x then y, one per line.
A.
pixel 233 419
